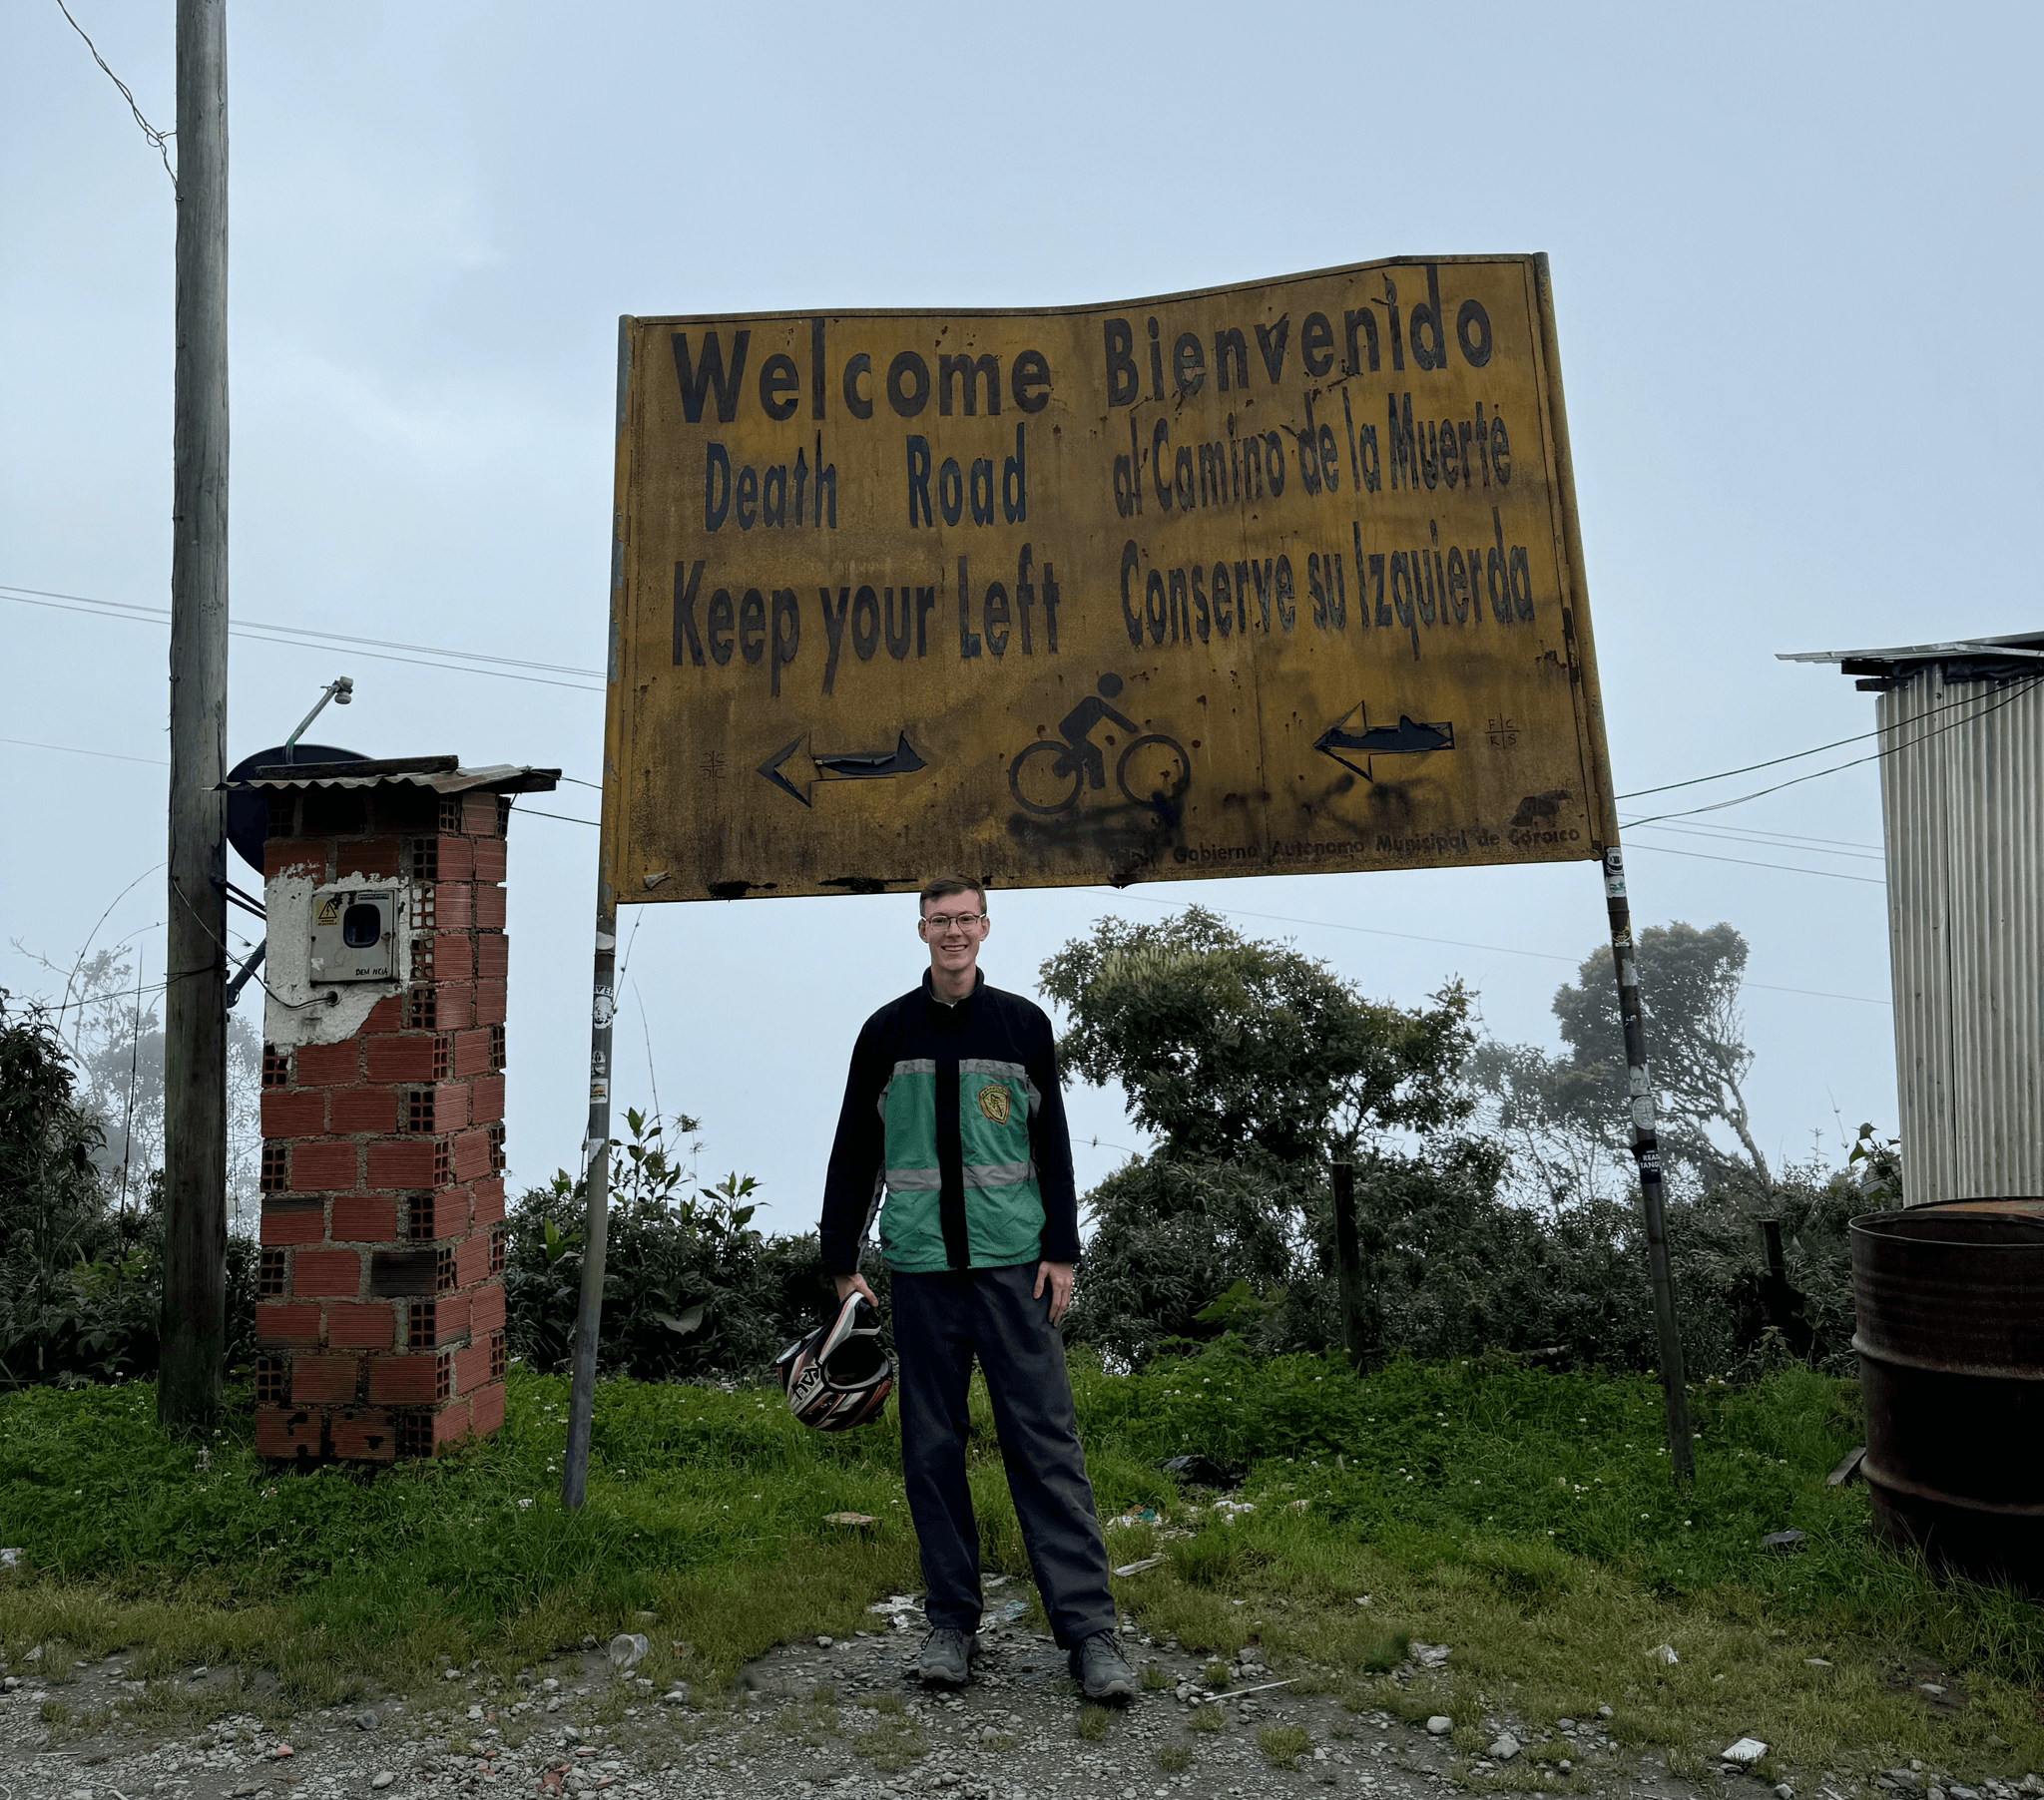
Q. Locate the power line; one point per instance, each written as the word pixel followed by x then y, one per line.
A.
pixel 1101 1144
pixel 378 649
pixel 1788 840
pixel 1746 863
pixel 1763 838
pixel 307 630
pixel 253 629
pixel 71 749
pixel 1663 849
pixel 159 140
pixel 1640 793
pixel 2016 692
pixel 111 999
pixel 294 637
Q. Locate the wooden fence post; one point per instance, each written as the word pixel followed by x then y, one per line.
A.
pixel 1356 1275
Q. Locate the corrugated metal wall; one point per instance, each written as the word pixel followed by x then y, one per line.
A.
pixel 1963 804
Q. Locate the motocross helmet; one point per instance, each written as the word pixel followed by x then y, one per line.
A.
pixel 838 1376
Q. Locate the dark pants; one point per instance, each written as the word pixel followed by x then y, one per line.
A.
pixel 941 1322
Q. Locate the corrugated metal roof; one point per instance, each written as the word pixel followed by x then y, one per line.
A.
pixel 422 771
pixel 2018 648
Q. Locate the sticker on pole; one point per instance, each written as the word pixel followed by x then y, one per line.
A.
pixel 1260 580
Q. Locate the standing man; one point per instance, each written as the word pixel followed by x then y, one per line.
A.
pixel 953 1111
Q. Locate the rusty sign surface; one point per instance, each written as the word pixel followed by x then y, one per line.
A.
pixel 1267 579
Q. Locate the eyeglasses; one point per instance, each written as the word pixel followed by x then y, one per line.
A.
pixel 945 923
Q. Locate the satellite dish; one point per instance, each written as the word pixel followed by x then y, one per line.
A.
pixel 248 813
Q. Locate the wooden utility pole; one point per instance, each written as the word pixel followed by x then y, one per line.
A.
pixel 195 1002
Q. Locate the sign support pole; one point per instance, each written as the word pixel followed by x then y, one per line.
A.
pixel 1646 1153
pixel 596 1147
pixel 596 1150
pixel 1639 1079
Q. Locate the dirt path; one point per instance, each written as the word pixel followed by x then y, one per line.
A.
pixel 809 1719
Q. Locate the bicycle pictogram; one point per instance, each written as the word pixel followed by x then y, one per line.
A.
pixel 1152 770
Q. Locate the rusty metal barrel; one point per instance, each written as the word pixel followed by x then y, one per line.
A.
pixel 1950 1336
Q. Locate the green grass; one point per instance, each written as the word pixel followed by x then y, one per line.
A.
pixel 1284 1745
pixel 704 1508
pixel 892 1743
pixel 1525 1517
pixel 1092 1724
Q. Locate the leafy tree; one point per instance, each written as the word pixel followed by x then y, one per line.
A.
pixel 1555 1155
pixel 1695 1034
pixel 1256 1067
pixel 1234 1049
pixel 1565 1116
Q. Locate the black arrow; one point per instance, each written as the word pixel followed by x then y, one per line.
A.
pixel 848 766
pixel 856 766
pixel 1406 738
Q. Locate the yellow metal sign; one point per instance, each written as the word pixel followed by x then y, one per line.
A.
pixel 1262 580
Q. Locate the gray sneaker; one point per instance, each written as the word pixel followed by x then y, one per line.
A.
pixel 1101 1668
pixel 945 1659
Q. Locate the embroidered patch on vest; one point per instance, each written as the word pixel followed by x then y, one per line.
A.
pixel 993 1102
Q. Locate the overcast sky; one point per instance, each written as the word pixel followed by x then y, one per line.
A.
pixel 1789 245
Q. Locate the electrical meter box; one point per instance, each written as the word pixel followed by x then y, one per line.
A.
pixel 354 935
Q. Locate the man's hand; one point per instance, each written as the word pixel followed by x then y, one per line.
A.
pixel 856 1284
pixel 1059 1275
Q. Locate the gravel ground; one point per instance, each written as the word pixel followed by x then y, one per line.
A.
pixel 809 1719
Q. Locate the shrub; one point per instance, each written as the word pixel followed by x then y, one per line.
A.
pixel 1511 1225
pixel 1184 1251
pixel 690 1289
pixel 1170 1236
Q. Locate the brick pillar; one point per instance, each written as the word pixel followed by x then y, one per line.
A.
pixel 380 1307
